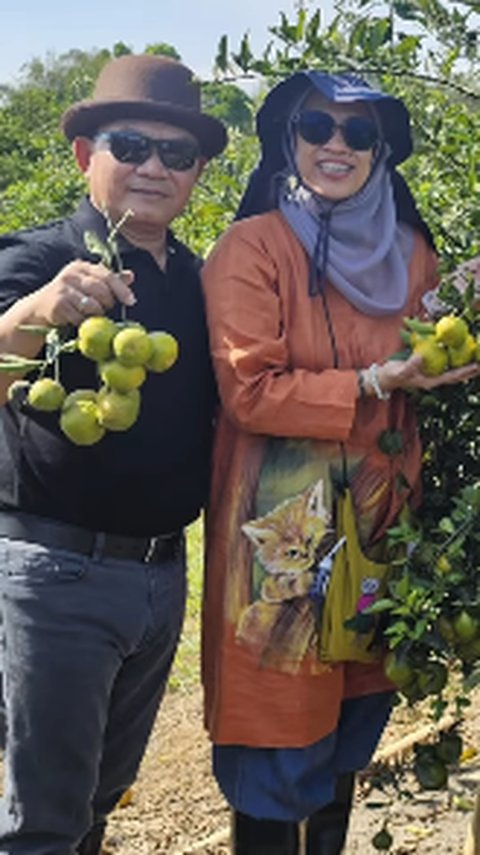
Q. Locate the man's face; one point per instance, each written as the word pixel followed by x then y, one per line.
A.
pixel 155 193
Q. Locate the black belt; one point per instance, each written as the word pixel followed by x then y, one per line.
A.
pixel 59 535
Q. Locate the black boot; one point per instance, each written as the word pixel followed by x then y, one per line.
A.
pixel 327 827
pixel 92 842
pixel 263 836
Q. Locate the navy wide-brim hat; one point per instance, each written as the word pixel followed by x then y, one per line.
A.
pixel 340 89
pixel 347 88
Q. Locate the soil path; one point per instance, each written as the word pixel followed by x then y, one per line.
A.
pixel 177 809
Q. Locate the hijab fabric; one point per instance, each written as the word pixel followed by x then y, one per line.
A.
pixel 356 243
pixel 362 244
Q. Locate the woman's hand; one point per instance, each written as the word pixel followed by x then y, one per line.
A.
pixel 408 374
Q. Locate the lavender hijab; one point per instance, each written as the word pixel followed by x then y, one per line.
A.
pixel 356 243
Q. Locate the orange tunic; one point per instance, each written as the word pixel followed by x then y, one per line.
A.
pixel 290 417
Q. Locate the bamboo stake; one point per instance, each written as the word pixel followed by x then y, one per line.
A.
pixel 472 842
pixel 396 750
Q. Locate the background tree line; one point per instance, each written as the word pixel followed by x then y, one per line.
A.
pixel 425 51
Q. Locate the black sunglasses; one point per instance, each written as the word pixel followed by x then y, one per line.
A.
pixel 133 147
pixel 316 127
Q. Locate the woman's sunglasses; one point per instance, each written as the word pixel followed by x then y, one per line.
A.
pixel 317 128
pixel 133 147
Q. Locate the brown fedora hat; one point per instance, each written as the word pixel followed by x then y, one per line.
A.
pixel 156 88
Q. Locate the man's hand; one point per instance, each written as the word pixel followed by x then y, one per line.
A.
pixel 78 290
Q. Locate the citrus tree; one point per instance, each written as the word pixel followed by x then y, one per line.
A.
pixel 39 180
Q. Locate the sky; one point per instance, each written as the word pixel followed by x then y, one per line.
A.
pixel 35 28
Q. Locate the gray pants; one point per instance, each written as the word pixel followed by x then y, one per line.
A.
pixel 88 646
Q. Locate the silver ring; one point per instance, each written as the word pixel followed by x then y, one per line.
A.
pixel 84 301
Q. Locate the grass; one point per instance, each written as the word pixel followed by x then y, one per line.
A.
pixel 186 669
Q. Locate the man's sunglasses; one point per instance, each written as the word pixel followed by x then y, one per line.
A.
pixel 178 154
pixel 316 127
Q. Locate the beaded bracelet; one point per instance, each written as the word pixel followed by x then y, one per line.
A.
pixel 372 374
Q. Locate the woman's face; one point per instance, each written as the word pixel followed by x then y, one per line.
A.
pixel 333 169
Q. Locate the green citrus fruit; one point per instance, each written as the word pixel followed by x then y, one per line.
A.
pixel 465 626
pixel 434 356
pixel 449 748
pixel 470 651
pixel 120 377
pixel 80 423
pixel 382 840
pixel 411 691
pixel 463 354
pixel 79 395
pixel 445 629
pixel 118 411
pixel 46 394
pixel 165 351
pixel 95 337
pixel 398 669
pixel 415 338
pixel 432 678
pixel 451 331
pixel 443 566
pixel 430 773
pixel 132 345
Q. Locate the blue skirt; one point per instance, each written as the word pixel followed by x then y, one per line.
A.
pixel 292 783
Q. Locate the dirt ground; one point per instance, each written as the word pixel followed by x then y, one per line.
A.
pixel 177 809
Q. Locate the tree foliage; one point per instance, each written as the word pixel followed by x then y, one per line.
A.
pixel 423 51
pixel 38 178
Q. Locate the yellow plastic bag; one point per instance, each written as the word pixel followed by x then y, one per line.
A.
pixel 355 583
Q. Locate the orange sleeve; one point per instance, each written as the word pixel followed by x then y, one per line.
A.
pixel 261 391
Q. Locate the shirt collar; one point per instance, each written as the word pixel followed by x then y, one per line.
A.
pixel 89 218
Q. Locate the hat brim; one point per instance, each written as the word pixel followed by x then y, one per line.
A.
pixel 85 118
pixel 393 114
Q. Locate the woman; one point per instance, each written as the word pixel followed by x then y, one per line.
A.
pixel 316 455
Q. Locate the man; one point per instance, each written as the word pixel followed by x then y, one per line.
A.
pixel 91 538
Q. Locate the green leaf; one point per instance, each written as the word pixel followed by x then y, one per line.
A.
pixel 400 627
pixel 20 365
pixel 69 346
pixel 313 26
pixel 14 357
pixel 96 247
pixel 301 21
pixel 402 587
pixel 245 56
pixel 419 629
pixel 221 59
pixel 383 605
pixel 446 526
pixel 406 11
pixel 473 680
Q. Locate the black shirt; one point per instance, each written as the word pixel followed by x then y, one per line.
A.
pixel 153 478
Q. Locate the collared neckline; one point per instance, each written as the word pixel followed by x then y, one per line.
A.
pixel 88 218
